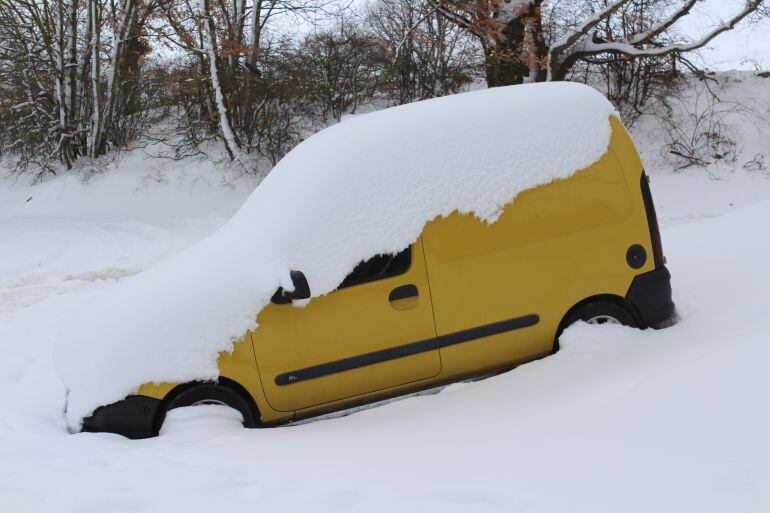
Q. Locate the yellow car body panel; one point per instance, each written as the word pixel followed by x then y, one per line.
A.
pixel 550 249
pixel 348 322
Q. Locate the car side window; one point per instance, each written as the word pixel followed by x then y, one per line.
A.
pixel 379 267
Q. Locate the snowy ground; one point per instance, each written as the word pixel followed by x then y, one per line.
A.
pixel 618 421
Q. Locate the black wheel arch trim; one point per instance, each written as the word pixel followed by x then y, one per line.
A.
pixel 599 298
pixel 221 381
pixel 139 416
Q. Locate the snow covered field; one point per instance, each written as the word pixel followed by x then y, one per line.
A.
pixel 618 421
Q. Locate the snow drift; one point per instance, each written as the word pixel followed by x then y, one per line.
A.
pixel 359 188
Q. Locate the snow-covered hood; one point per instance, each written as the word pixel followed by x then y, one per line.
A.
pixel 364 186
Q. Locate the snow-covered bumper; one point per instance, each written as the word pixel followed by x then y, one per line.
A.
pixel 133 417
pixel 650 293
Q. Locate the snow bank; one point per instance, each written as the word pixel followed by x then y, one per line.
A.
pixel 359 188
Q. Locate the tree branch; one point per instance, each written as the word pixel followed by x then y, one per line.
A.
pixel 649 35
pixel 561 57
pixel 591 47
pixel 455 17
pixel 586 26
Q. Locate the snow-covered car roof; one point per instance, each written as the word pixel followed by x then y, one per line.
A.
pixel 362 187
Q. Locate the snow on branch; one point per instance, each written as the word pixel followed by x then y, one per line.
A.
pixel 511 9
pixel 649 35
pixel 587 26
pixel 578 45
pixel 208 31
pixel 593 47
pixel 442 9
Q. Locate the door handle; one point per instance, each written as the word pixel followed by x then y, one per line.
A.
pixel 403 292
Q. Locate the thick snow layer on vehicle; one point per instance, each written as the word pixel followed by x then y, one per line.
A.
pixel 362 187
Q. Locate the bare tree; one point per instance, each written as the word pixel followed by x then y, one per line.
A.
pixel 519 47
pixel 74 80
pixel 342 69
pixel 36 61
pixel 427 55
pixel 224 37
pixel 67 65
pixel 122 15
pixel 209 40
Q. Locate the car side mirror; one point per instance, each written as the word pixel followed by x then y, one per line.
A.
pixel 301 289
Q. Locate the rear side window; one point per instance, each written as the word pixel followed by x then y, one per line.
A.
pixel 379 267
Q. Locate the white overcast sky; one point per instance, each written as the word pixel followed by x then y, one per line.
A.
pixel 742 48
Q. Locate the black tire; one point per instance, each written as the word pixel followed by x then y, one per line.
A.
pixel 597 312
pixel 212 393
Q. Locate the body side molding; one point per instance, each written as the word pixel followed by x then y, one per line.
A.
pixel 412 348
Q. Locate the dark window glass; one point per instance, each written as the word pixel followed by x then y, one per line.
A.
pixel 379 267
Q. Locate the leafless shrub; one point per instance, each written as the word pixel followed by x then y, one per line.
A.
pixel 83 78
pixel 342 69
pixel 426 55
pixel 756 164
pixel 700 130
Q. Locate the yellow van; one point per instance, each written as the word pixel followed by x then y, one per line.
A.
pixel 465 299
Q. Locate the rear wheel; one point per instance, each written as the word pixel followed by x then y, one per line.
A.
pixel 601 312
pixel 597 312
pixel 213 393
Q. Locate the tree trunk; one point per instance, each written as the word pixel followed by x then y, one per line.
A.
pixel 123 18
pixel 209 45
pixel 516 52
pixel 74 79
pixel 62 83
pixel 136 47
pixel 502 67
pixel 256 32
pixel 96 115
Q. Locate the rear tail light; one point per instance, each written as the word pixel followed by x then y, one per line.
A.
pixel 652 221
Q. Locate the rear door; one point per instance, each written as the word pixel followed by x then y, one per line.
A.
pixel 375 332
